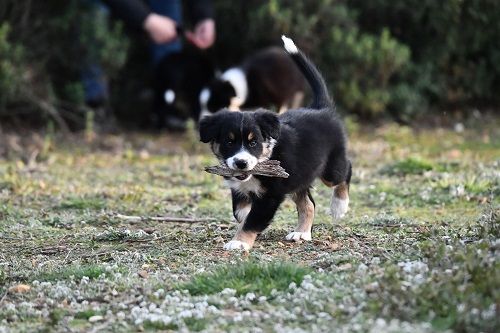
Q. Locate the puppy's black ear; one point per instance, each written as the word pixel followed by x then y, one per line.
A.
pixel 269 124
pixel 209 128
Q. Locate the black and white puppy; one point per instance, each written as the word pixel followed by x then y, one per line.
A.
pixel 309 142
pixel 178 81
pixel 268 78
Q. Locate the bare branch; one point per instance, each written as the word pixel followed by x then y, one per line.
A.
pixel 269 168
pixel 132 218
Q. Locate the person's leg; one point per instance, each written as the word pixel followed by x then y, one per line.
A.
pixel 95 85
pixel 166 116
pixel 172 9
pixel 94 80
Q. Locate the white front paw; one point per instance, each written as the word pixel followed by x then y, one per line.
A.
pixel 236 245
pixel 339 207
pixel 297 236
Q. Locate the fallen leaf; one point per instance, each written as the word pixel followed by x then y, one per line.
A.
pixel 143 274
pixel 333 246
pixel 454 154
pixel 345 267
pixel 20 288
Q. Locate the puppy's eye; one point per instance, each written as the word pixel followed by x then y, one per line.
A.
pixel 252 143
pixel 229 142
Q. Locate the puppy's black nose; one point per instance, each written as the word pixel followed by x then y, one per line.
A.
pixel 240 164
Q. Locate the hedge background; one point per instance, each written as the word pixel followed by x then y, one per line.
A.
pixel 381 58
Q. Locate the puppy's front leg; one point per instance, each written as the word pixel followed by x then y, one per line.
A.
pixel 241 206
pixel 260 216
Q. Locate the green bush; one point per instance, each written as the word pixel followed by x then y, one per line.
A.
pixel 43 48
pixel 360 67
pixel 454 45
pixel 10 67
pixel 379 57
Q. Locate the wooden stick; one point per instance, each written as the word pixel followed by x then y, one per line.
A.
pixel 269 168
pixel 132 218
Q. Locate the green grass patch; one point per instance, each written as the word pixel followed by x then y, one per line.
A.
pixel 78 272
pixel 246 277
pixel 86 314
pixel 409 166
pixel 458 275
pixel 156 325
pixel 82 203
pixel 194 324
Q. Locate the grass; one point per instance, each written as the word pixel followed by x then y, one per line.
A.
pixel 417 252
pixel 247 277
pixel 82 203
pixel 72 272
pixel 409 166
pixel 436 299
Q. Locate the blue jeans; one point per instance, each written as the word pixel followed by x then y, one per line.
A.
pixel 172 9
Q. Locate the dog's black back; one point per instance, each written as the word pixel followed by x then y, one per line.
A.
pixel 273 79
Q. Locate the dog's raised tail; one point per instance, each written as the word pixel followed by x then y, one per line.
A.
pixel 321 97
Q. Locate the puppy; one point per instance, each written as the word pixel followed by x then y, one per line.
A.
pixel 268 78
pixel 309 142
pixel 179 79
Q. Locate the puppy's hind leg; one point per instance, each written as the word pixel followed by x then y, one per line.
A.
pixel 338 176
pixel 305 209
pixel 340 201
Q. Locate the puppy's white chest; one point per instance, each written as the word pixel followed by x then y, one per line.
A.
pixel 252 185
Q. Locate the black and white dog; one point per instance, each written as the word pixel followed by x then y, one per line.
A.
pixel 178 81
pixel 309 142
pixel 268 78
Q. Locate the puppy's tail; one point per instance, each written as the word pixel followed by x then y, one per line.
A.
pixel 320 91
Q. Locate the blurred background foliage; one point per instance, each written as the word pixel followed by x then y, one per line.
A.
pixel 381 58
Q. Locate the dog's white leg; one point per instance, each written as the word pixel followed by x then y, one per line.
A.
pixel 242 211
pixel 340 201
pixel 305 209
pixel 243 240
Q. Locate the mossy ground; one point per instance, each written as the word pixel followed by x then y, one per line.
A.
pixel 418 250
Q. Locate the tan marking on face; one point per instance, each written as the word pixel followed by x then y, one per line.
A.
pixel 305 209
pixel 245 236
pixel 341 191
pixel 231 136
pixel 251 136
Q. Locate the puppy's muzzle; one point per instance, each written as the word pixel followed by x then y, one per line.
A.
pixel 241 164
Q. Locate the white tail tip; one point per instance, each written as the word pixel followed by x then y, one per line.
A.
pixel 289 45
